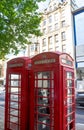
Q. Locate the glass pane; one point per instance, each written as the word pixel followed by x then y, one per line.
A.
pixel 14 90
pixel 69 75
pixel 14 105
pixel 69 91
pixel 14 126
pixel 43 110
pixel 15 80
pixel 69 118
pixel 69 83
pixel 13 119
pixel 13 112
pixel 43 126
pixel 43 100
pixel 14 83
pixel 44 118
pixel 69 109
pixel 40 75
pixel 43 92
pixel 46 75
pixel 69 101
pixel 15 76
pixel 14 97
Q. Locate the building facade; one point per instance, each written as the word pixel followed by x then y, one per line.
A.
pixel 57 29
pixel 79 43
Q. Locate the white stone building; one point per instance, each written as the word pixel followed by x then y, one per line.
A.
pixel 57 29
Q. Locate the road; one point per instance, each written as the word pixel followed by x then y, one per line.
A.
pixel 79 118
pixel 80 114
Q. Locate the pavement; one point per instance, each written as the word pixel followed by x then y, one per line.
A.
pixel 78 125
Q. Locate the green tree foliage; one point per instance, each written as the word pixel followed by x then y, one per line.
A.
pixel 18 20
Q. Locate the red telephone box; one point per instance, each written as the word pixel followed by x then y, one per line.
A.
pixel 17 94
pixel 52 92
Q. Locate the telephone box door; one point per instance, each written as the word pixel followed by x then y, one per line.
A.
pixel 13 101
pixel 69 99
pixel 44 100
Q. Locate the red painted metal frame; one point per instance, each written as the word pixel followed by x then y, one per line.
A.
pixel 69 99
pixel 56 62
pixel 18 66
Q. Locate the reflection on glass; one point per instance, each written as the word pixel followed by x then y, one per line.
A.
pixel 43 100
pixel 69 109
pixel 43 126
pixel 13 112
pixel 15 80
pixel 44 75
pixel 14 97
pixel 14 105
pixel 13 119
pixel 43 83
pixel 14 83
pixel 69 91
pixel 43 92
pixel 14 90
pixel 69 75
pixel 69 100
pixel 44 110
pixel 69 83
pixel 42 118
pixel 15 76
pixel 69 118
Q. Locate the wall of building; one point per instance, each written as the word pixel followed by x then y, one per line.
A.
pixel 57 29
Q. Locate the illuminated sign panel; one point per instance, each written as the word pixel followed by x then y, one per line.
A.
pixel 15 65
pixel 45 61
pixel 65 61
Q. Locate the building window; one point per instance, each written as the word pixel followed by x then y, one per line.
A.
pixel 56 26
pixel 36 47
pixel 56 38
pixel 57 48
pixel 44 30
pixel 63 36
pixel 44 22
pixel 44 42
pixel 50 28
pixel 56 16
pixel 50 40
pixel 63 14
pixel 63 23
pixel 50 19
pixel 32 47
pixel 50 49
pixel 64 48
pixel 44 50
pixel 54 5
pixel 50 8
